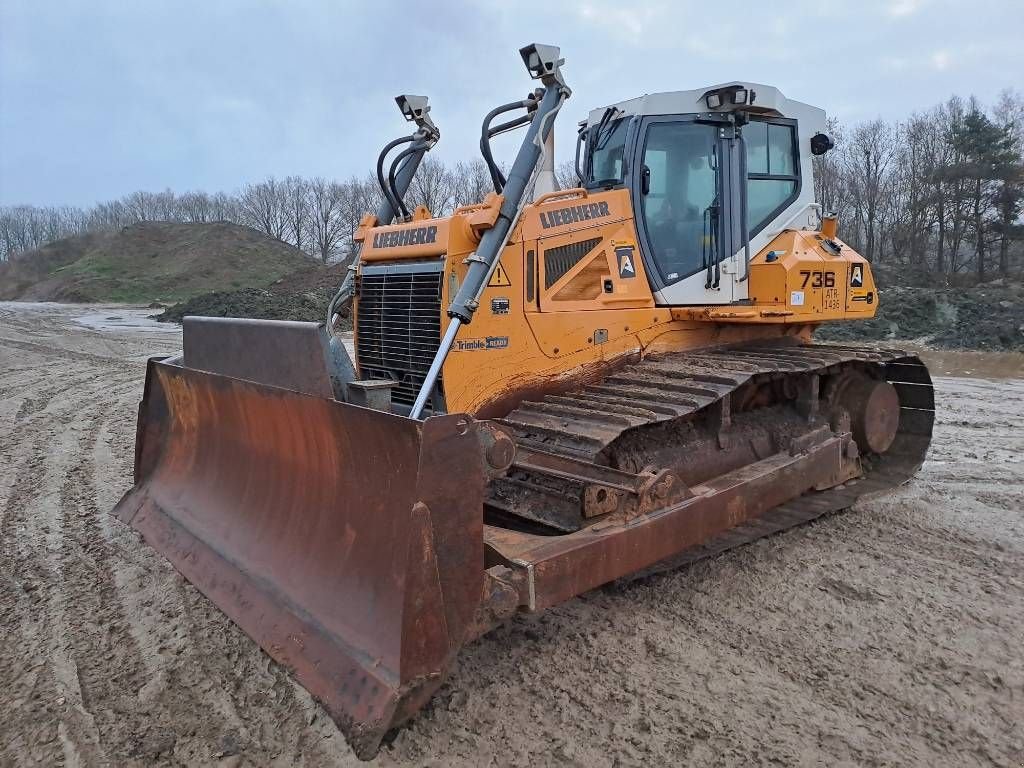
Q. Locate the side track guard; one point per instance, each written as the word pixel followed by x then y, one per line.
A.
pixel 336 536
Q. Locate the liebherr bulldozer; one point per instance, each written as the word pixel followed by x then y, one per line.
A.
pixel 550 389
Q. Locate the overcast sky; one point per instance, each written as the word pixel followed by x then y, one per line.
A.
pixel 100 98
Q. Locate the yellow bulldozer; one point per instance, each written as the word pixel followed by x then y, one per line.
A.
pixel 549 390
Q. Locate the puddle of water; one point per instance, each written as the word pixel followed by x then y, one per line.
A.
pixel 973 365
pixel 124 320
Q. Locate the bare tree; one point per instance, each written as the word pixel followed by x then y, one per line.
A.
pixel 263 207
pixel 433 187
pixel 470 183
pixel 295 192
pixel 327 223
pixel 939 193
pixel 565 175
pixel 194 207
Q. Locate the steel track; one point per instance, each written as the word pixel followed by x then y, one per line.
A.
pixel 585 424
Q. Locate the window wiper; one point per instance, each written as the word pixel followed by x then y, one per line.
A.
pixel 602 135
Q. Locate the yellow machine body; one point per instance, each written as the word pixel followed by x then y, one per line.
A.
pixel 540 329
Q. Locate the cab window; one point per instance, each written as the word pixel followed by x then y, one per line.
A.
pixel 680 162
pixel 607 145
pixel 772 171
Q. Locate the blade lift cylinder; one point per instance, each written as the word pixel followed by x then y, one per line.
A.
pixel 483 262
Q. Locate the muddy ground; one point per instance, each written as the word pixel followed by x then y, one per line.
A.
pixel 891 634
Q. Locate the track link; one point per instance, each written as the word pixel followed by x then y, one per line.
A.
pixel 582 427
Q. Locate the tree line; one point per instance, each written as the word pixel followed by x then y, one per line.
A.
pixel 318 215
pixel 937 195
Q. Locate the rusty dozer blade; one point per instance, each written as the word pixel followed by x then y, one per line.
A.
pixel 335 536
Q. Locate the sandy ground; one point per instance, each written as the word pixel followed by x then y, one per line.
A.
pixel 892 634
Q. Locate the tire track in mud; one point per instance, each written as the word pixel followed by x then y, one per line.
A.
pixel 831 676
pixel 41 440
pixel 29 585
pixel 29 539
pixel 50 350
pixel 103 653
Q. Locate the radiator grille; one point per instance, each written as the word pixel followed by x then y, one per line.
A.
pixel 398 325
pixel 558 261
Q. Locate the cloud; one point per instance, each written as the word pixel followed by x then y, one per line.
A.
pixel 902 8
pixel 941 60
pixel 636 22
pixel 99 98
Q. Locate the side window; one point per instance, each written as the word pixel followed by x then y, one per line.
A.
pixel 608 146
pixel 772 171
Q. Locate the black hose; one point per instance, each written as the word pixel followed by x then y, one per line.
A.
pixel 395 204
pixel 497 178
pixel 498 129
pixel 393 172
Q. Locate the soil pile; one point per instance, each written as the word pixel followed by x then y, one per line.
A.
pixel 301 295
pixel 157 261
pixel 988 316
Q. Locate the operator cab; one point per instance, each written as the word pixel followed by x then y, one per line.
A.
pixel 696 161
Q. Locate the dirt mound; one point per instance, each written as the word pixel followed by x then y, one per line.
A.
pixel 301 295
pixel 988 316
pixel 150 262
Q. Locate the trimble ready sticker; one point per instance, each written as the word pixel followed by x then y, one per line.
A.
pixel 491 342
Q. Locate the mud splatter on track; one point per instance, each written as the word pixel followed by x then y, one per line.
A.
pixel 890 634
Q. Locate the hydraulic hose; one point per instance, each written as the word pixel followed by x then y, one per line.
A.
pixel 396 205
pixel 497 178
pixel 579 146
pixel 508 126
pixel 385 213
pixel 392 173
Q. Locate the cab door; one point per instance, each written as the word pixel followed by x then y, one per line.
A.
pixel 687 215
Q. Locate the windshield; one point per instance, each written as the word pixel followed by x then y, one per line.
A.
pixel 607 145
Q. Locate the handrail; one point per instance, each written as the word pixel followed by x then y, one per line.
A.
pixel 575 191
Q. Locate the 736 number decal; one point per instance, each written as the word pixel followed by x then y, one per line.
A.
pixel 818 279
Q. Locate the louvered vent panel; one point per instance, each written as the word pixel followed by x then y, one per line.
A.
pixel 558 261
pixel 399 324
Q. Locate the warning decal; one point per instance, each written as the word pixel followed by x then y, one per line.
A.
pixel 857 276
pixel 499 278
